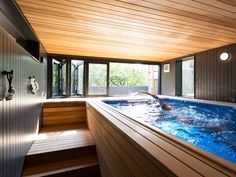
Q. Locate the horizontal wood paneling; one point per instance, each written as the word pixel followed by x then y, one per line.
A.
pixel 63 104
pixel 154 30
pixel 126 148
pixel 63 113
pixel 18 117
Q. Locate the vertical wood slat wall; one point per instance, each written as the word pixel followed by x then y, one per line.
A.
pixel 216 79
pixel 18 117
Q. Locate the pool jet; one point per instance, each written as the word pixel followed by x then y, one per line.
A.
pixel 163 105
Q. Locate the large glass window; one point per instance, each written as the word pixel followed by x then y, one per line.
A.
pixel 77 75
pixel 97 81
pixel 71 77
pixel 59 77
pixel 128 79
pixel 188 78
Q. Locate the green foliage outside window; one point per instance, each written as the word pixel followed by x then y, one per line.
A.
pixel 128 74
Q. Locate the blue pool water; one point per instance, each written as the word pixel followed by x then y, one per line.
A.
pixel 210 127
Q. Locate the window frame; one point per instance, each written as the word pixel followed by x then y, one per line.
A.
pixel 87 78
pixel 87 61
pixel 179 73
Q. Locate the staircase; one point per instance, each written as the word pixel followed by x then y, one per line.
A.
pixel 64 147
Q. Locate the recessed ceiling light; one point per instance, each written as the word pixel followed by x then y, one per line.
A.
pixel 224 56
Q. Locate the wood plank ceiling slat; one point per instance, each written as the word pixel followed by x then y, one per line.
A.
pixel 150 30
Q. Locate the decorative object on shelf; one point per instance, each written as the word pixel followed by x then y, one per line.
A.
pixel 224 56
pixel 11 90
pixel 33 85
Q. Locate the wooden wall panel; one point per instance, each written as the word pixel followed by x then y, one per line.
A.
pixel 20 116
pixel 216 79
pixel 127 148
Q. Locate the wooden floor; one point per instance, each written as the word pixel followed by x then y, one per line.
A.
pixel 63 149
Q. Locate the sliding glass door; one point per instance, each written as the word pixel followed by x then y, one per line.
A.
pixel 188 78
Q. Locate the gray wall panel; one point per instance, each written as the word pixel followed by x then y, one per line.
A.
pixel 19 117
pixel 214 79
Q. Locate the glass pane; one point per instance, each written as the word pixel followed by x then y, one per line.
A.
pixel 188 78
pixel 97 79
pixel 77 74
pixel 58 77
pixel 129 79
pixel 63 78
pixel 55 77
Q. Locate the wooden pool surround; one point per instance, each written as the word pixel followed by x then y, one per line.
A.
pixel 127 147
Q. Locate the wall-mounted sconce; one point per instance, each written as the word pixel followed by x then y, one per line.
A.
pixel 224 56
pixel 11 90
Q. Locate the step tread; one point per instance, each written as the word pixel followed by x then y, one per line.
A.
pixel 61 140
pixel 60 103
pixel 64 127
pixel 60 166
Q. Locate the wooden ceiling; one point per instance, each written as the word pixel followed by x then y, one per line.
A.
pixel 151 30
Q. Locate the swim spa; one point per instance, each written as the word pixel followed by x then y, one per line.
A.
pixel 152 149
pixel 207 126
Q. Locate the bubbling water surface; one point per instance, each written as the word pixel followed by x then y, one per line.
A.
pixel 210 127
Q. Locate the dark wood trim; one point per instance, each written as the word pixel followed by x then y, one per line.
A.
pixel 86 68
pixel 160 72
pixel 68 78
pixel 178 78
pixel 108 76
pixel 194 82
pixel 101 59
pixel 49 78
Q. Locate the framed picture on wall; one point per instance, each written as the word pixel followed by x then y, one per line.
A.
pixel 166 68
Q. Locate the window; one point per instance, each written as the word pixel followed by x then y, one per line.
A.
pixel 59 77
pixel 128 79
pixel 72 77
pixel 77 77
pixel 97 81
pixel 188 78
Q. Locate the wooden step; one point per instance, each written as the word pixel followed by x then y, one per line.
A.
pixel 64 119
pixel 71 166
pixel 64 152
pixel 54 104
pixel 55 128
pixel 91 171
pixel 61 140
pixel 64 147
pixel 63 113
